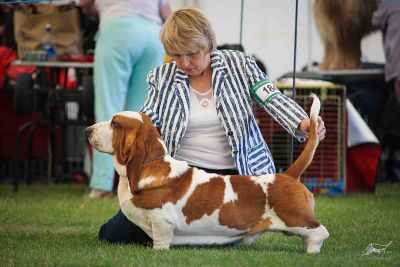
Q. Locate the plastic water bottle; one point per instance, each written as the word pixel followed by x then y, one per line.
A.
pixel 48 44
pixel 71 78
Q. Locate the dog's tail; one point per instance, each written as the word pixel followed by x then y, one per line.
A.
pixel 306 156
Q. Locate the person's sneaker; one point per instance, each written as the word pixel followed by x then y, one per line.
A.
pixel 97 193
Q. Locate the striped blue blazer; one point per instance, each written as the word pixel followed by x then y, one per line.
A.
pixel 234 76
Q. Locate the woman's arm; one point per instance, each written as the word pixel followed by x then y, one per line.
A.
pixel 281 108
pixel 165 10
pixel 152 101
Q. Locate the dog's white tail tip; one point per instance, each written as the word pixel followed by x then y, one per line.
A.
pixel 315 106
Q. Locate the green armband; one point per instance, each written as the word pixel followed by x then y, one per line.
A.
pixel 263 91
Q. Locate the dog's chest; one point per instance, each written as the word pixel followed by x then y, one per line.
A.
pixel 120 169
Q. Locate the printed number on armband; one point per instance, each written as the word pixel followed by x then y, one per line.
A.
pixel 263 91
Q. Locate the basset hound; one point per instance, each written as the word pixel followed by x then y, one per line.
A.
pixel 176 204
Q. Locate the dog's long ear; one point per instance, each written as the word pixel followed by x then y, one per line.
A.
pixel 128 144
pixel 154 148
pixel 124 138
pixel 136 158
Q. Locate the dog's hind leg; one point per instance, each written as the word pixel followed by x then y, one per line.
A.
pixel 313 237
pixel 162 232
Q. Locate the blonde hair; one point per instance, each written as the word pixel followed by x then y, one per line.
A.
pixel 187 31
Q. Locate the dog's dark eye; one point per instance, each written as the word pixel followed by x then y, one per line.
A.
pixel 114 124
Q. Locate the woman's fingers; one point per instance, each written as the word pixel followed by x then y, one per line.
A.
pixel 321 130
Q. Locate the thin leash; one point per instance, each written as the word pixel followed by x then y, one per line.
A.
pixel 291 146
pixel 241 22
pixel 291 156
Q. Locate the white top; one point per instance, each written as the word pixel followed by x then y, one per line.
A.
pixel 205 143
pixel 149 9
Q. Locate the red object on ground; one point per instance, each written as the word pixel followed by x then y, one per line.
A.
pixel 363 153
pixel 7 56
pixel 362 164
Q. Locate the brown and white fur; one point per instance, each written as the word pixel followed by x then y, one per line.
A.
pixel 176 204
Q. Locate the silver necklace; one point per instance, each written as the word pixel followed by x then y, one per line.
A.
pixel 204 102
pixel 203 98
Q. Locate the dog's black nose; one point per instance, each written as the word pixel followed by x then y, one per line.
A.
pixel 88 132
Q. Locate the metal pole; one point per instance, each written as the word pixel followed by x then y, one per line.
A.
pixel 241 22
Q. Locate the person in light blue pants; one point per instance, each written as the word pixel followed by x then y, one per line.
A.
pixel 127 48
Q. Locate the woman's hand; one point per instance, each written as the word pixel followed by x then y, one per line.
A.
pixel 321 130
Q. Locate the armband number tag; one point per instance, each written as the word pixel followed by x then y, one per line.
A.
pixel 263 91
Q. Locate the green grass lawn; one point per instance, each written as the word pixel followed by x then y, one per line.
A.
pixel 55 225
